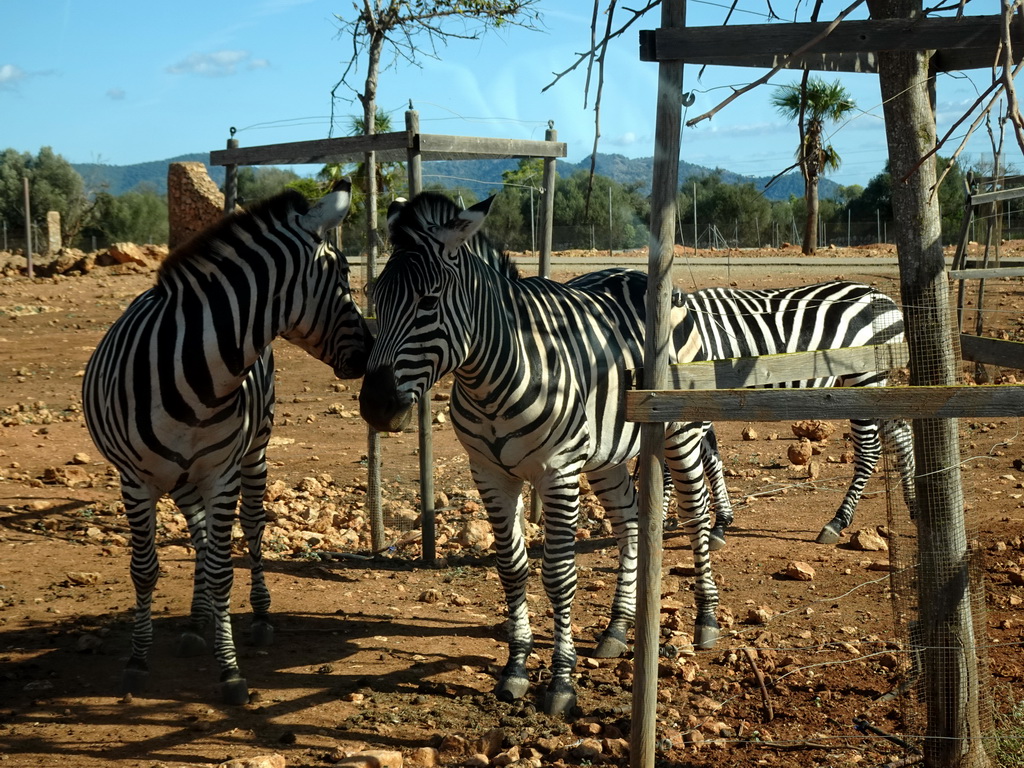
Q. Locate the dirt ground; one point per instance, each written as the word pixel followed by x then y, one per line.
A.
pixel 384 653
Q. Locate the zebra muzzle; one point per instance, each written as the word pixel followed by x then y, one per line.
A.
pixel 381 405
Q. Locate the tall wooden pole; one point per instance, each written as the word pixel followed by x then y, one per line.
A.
pixel 427 512
pixel 664 181
pixel 954 733
pixel 231 179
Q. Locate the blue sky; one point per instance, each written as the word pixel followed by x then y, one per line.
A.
pixel 122 83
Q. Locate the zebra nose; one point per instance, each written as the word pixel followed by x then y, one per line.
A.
pixel 381 405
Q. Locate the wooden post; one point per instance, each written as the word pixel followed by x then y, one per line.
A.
pixel 954 732
pixel 428 514
pixel 373 458
pixel 547 206
pixel 664 183
pixel 28 228
pixel 231 179
pixel 547 225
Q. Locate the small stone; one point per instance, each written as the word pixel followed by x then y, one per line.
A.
pixel 82 578
pixel 800 453
pixel 813 429
pixel 799 571
pixel 261 761
pixel 749 433
pixel 867 540
pixel 80 458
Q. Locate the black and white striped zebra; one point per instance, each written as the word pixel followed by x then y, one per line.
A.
pixel 540 370
pixel 726 322
pixel 179 396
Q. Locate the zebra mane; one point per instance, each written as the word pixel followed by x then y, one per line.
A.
pixel 200 246
pixel 429 209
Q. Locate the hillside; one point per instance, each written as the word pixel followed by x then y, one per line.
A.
pixel 480 176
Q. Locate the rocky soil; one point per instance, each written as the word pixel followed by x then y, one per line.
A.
pixel 382 659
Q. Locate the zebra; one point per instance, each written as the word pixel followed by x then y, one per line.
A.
pixel 179 397
pixel 540 370
pixel 719 323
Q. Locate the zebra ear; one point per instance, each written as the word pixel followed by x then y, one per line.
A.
pixel 329 209
pixel 393 210
pixel 459 229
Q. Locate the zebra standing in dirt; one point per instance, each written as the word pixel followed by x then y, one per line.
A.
pixel 720 323
pixel 179 396
pixel 540 371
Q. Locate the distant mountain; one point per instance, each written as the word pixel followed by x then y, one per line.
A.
pixel 118 179
pixel 482 177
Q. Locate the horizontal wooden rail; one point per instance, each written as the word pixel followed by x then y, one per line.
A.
pixel 1001 352
pixel 648 406
pixel 766 370
pixel 977 274
pixel 390 147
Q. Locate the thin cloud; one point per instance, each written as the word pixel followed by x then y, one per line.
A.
pixel 216 64
pixel 11 75
pixel 116 94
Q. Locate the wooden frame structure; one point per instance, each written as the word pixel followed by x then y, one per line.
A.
pixel 411 147
pixel 847 46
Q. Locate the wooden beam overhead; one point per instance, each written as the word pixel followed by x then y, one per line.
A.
pixel 390 148
pixel 970 42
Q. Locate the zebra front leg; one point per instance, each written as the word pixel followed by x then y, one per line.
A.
pixel 617 493
pixel 899 438
pixel 867 448
pixel 140 508
pixel 713 469
pixel 502 497
pixel 683 453
pixel 254 520
pixel 191 641
pixel 561 501
pixel 220 576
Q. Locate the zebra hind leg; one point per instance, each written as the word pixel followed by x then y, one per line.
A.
pixel 683 452
pixel 617 493
pixel 714 470
pixel 867 449
pixel 253 519
pixel 191 641
pixel 140 508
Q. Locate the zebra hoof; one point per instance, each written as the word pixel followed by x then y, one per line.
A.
pixel 705 636
pixel 716 541
pixel 511 688
pixel 829 534
pixel 610 647
pixel 134 681
pixel 234 692
pixel 262 633
pixel 191 644
pixel 559 702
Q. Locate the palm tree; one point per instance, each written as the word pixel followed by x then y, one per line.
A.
pixel 813 104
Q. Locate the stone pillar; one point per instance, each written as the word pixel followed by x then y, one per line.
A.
pixel 54 241
pixel 193 201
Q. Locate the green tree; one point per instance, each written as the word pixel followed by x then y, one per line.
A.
pixel 609 199
pixel 139 216
pixel 813 104
pixel 53 186
pixel 739 212
pixel 257 183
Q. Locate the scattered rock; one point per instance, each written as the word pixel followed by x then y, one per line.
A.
pixel 813 429
pixel 260 761
pixel 82 578
pixel 800 453
pixel 799 571
pixel 867 540
pixel 749 433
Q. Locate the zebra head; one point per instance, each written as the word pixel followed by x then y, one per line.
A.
pixel 330 326
pixel 426 299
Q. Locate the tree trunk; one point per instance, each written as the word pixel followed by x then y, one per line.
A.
pixel 954 736
pixel 810 244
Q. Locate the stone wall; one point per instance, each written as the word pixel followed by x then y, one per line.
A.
pixel 193 201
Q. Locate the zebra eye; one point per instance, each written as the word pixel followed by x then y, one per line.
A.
pixel 427 304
